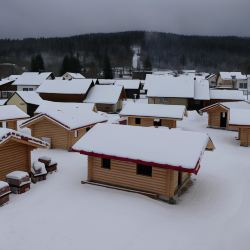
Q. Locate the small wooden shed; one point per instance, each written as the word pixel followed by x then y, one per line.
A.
pixel 240 120
pixel 153 114
pixel 15 151
pixel 9 115
pixel 132 87
pixel 218 113
pixel 156 163
pixel 63 126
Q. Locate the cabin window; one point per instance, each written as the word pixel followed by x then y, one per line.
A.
pixel 105 163
pixel 144 170
pixel 76 134
pixel 243 85
pixel 157 122
pixel 1 124
pixel 25 89
pixel 137 120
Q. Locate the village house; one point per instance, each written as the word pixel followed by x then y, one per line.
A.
pixel 10 115
pixel 70 76
pixel 105 81
pixel 148 115
pixel 159 162
pixel 232 80
pixel 188 90
pixel 30 81
pixel 6 87
pixel 132 88
pixel 62 125
pixel 19 145
pixel 27 101
pixel 240 121
pixel 219 113
pixel 108 98
pixel 59 90
pixel 212 79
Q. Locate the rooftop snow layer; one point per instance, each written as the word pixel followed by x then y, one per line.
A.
pixel 170 86
pixel 32 78
pixel 6 133
pixel 176 148
pixel 75 75
pixel 70 116
pixel 3 184
pixel 239 116
pixel 60 86
pixel 226 94
pixel 107 94
pixel 129 84
pixel 201 89
pixel 154 110
pixel 231 75
pixel 30 97
pixel 11 112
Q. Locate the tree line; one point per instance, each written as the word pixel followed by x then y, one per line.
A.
pixel 161 50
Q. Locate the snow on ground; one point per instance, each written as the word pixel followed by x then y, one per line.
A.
pixel 60 213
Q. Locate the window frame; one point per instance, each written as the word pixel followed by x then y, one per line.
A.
pixel 140 171
pixel 106 163
pixel 137 120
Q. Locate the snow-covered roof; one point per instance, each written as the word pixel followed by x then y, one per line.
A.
pixel 5 81
pixel 11 112
pixel 32 78
pixel 154 110
pixel 129 84
pixel 3 101
pixel 170 86
pixel 201 89
pixel 69 116
pixel 231 75
pixel 47 106
pixel 226 94
pixel 60 86
pixel 239 116
pixel 106 81
pixel 106 94
pixel 30 97
pixel 174 149
pixel 74 75
pixel 6 133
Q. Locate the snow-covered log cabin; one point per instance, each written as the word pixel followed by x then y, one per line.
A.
pixel 108 98
pixel 60 90
pixel 218 113
pixel 132 88
pixel 9 115
pixel 15 151
pixel 240 120
pixel 161 168
pixel 63 125
pixel 153 114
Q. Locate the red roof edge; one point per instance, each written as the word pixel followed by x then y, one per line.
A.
pixel 195 170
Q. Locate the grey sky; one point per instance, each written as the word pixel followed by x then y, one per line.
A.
pixel 35 18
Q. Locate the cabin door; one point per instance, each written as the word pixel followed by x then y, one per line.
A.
pixel 223 119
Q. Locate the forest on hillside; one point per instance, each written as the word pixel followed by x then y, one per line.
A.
pixel 164 50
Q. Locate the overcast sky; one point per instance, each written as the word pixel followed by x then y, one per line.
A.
pixel 36 18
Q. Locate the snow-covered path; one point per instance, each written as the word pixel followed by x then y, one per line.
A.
pixel 60 213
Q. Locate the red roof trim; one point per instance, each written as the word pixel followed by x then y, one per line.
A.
pixel 177 168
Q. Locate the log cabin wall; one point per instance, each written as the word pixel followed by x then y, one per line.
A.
pixel 12 124
pixel 124 174
pixel 214 117
pixel 47 128
pixel 20 162
pixel 244 135
pixel 149 121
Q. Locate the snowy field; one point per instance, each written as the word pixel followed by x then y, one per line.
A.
pixel 60 213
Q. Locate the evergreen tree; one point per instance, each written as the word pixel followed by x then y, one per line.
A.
pixel 107 69
pixel 183 60
pixel 37 63
pixel 70 64
pixel 147 63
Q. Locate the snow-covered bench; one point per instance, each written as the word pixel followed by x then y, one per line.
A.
pixel 38 172
pixel 50 165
